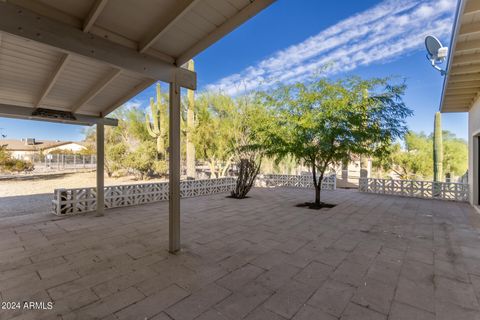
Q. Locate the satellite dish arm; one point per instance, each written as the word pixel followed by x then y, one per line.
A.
pixel 433 63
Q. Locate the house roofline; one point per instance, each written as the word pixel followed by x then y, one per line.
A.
pixel 453 42
pixel 42 148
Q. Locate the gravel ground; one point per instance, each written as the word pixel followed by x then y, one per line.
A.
pixel 34 195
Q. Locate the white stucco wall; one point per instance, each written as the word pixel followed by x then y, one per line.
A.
pixel 24 155
pixel 473 132
pixel 75 147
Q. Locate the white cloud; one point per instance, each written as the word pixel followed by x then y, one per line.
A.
pixel 381 33
pixel 133 104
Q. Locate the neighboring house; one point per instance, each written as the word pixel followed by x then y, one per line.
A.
pixel 26 149
pixel 461 87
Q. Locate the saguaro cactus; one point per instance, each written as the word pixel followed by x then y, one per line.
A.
pixel 190 128
pixel 437 148
pixel 157 128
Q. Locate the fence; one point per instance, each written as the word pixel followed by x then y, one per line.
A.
pixel 74 201
pixel 418 189
pixel 60 162
pixel 295 181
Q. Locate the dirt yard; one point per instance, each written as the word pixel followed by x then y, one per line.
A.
pixel 34 194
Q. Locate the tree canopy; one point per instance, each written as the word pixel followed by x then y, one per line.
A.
pixel 325 121
pixel 414 160
pixel 129 148
pixel 214 131
pixel 455 154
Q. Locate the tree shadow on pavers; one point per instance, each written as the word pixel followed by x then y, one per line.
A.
pixel 232 197
pixel 314 206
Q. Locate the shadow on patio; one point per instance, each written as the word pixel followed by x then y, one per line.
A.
pixel 370 257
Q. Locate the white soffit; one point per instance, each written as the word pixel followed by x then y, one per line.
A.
pixel 462 83
pixel 89 57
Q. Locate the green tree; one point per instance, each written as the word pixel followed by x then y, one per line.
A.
pixel 414 161
pixel 115 144
pixel 324 122
pixel 142 160
pixel 213 132
pixel 114 156
pixel 247 119
pixel 129 147
pixel 455 154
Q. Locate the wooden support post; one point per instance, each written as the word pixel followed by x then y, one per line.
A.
pixel 174 169
pixel 100 169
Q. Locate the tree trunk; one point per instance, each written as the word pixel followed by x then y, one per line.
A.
pixel 223 171
pixel 213 171
pixel 248 170
pixel 317 183
pixel 318 189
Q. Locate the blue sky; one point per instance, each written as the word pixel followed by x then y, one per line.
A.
pixel 293 38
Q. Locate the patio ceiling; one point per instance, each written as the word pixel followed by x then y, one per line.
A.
pixel 89 57
pixel 462 84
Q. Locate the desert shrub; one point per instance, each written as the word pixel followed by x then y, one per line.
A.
pixel 142 160
pixel 8 164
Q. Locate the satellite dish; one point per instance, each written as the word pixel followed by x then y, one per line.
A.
pixel 436 53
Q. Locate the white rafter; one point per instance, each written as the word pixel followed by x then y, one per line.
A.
pixel 96 89
pixel 246 13
pixel 460 70
pixel 94 14
pixel 130 94
pixel 53 78
pixel 164 25
pixel 27 24
pixel 466 59
pixel 472 6
pixel 467 46
pixel 466 84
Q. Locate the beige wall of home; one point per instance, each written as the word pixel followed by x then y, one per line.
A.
pixel 473 136
pixel 461 87
pixel 25 155
pixel 28 154
pixel 74 147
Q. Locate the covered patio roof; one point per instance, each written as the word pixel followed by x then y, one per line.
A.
pixel 89 57
pixel 77 61
pixel 461 87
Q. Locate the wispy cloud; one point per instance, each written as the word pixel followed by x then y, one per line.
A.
pixel 133 104
pixel 382 33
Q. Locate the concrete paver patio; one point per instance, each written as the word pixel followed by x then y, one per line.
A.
pixel 370 257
